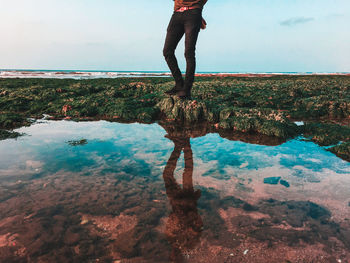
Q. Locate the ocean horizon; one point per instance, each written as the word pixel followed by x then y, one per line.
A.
pixel 93 74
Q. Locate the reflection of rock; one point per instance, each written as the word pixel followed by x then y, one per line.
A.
pixel 8 134
pixel 11 121
pixel 342 151
pixel 268 122
pixel 326 134
pixel 186 130
pixel 203 128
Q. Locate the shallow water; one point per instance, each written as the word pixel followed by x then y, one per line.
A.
pixel 104 192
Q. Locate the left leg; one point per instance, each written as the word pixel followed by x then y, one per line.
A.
pixel 192 27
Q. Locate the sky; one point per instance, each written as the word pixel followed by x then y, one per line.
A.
pixel 241 36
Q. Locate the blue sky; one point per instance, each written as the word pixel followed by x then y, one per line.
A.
pixel 242 35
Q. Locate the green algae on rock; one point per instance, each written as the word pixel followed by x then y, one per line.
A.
pixel 12 120
pixel 78 142
pixel 183 110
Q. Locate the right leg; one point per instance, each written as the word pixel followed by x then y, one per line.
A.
pixel 175 32
pixel 192 28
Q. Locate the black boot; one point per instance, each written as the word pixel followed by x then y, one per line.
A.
pixel 184 94
pixel 174 90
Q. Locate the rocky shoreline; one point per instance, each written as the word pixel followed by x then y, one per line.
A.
pixel 267 106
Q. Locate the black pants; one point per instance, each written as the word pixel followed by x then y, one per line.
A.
pixel 188 23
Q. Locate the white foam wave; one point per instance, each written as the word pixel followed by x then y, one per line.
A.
pixel 66 74
pixel 77 74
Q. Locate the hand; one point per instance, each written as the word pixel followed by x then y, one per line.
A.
pixel 204 24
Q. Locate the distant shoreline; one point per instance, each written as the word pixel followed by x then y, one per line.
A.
pixel 91 74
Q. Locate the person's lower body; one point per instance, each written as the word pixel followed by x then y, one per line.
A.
pixel 186 23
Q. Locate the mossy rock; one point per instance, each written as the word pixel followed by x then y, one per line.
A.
pixel 148 115
pixel 183 110
pixel 342 151
pixel 12 120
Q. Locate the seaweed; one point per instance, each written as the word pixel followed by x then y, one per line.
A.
pixel 78 142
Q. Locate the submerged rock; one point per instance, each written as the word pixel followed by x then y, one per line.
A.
pixel 272 180
pixel 284 183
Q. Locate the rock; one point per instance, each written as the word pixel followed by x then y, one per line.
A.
pixel 284 183
pixel 71 238
pixel 183 110
pixel 12 120
pixel 272 180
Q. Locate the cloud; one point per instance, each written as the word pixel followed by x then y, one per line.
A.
pixel 334 16
pixel 296 20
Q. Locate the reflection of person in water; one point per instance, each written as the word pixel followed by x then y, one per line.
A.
pixel 184 225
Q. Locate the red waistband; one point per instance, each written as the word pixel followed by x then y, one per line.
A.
pixel 184 8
